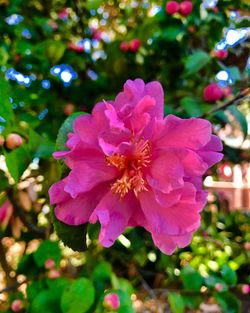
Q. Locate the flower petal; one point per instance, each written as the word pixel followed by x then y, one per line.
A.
pixel 193 133
pixel 177 220
pixel 78 210
pixel 113 215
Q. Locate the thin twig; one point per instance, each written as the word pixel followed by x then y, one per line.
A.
pixel 243 95
pixel 13 287
pixel 39 231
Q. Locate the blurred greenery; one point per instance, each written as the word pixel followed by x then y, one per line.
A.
pixel 57 59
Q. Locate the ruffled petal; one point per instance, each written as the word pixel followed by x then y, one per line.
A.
pixel 193 133
pixel 84 177
pixel 168 244
pixel 166 172
pixel 113 215
pixel 78 210
pixel 177 220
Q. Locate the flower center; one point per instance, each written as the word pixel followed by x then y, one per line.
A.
pixel 131 169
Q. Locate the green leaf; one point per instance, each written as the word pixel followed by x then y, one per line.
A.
pixel 176 302
pixel 73 237
pixel 27 266
pixel 47 250
pixel 196 61
pixel 125 302
pixel 6 110
pixel 171 32
pixel 41 147
pixel 240 118
pixel 192 301
pixel 78 297
pixel 191 278
pixel 191 106
pixel 34 288
pixel 234 72
pixel 228 302
pixel 3 181
pixel 46 301
pixel 66 128
pixel 17 161
pixel 229 275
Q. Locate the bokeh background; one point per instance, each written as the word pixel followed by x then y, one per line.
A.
pixel 60 57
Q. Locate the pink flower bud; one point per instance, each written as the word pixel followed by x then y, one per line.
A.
pixel 17 305
pixel 247 246
pixel 212 93
pixel 124 46
pixel 1 140
pixel 221 54
pixel 53 274
pixel 111 301
pixel 134 45
pixel 13 141
pixel 245 289
pixel 218 287
pixel 72 46
pixel 6 211
pixel 69 109
pixel 50 263
pixel 227 91
pixel 186 7
pixel 172 7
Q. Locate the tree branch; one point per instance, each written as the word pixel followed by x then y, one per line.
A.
pixel 236 100
pixel 39 231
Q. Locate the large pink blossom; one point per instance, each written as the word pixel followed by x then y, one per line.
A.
pixel 130 166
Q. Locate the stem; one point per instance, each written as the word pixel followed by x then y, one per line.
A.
pixel 243 95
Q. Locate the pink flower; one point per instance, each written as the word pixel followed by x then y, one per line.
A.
pixel 134 45
pixel 6 211
pixel 221 54
pixel 130 166
pixel 218 287
pixel 53 274
pixel 212 93
pixel 17 305
pixel 50 263
pixel 124 46
pixel 247 246
pixel 172 7
pixel 111 301
pixel 13 141
pixel 186 7
pixel 245 288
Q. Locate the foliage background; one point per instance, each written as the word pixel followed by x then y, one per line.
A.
pixel 59 57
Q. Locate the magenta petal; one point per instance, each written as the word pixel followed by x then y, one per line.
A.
pixel 113 215
pixel 168 244
pixel 84 177
pixel 192 163
pixel 177 220
pixel 193 133
pixel 57 193
pixel 166 172
pixel 78 210
pixel 154 89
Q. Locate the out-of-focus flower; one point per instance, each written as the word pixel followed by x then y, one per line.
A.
pixel 53 274
pixel 17 305
pixel 111 301
pixel 245 289
pixel 130 166
pixel 13 141
pixel 124 46
pixel 186 7
pixel 69 109
pixel 6 211
pixel 218 287
pixel 63 14
pixel 226 91
pixel 212 93
pixel 247 246
pixel 74 47
pixel 172 7
pixel 134 45
pixel 50 263
pixel 220 54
